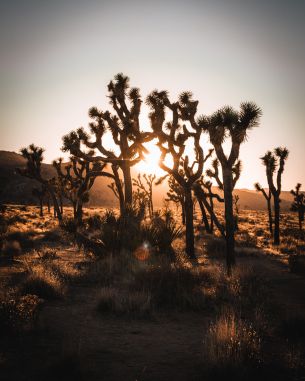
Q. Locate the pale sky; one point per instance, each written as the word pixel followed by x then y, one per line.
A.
pixel 58 56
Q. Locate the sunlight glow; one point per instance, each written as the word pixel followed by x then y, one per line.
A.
pixel 150 164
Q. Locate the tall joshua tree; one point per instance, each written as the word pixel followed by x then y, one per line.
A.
pixel 77 178
pixel 224 124
pixel 275 161
pixel 124 126
pixel 34 157
pixel 267 197
pixel 172 138
pixel 298 204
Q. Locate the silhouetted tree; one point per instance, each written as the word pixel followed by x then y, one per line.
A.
pixel 259 188
pixel 298 204
pixel 34 157
pixel 172 138
pixel 147 190
pixel 124 126
pixel 76 179
pixel 40 194
pixel 272 161
pixel 228 123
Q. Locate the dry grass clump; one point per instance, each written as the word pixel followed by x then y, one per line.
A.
pixel 18 312
pixel 131 303
pixel 231 344
pixel 43 283
pixel 171 286
pixel 216 247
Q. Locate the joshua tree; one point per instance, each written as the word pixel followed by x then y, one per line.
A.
pixel 175 194
pixel 172 138
pixel 259 188
pixel 228 123
pixel 124 126
pixel 76 179
pixel 272 161
pixel 34 157
pixel 40 193
pixel 146 189
pixel 298 204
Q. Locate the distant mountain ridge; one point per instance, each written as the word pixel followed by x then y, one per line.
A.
pixel 15 188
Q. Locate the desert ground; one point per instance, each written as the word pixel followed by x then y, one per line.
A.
pixel 71 312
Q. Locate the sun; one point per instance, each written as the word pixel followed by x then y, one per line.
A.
pixel 150 164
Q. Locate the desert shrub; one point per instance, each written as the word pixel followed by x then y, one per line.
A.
pixel 231 344
pixel 47 254
pixel 131 303
pixel 260 232
pixel 69 225
pixel 23 208
pixel 43 284
pixel 25 239
pixel 171 287
pixel 161 233
pixel 95 221
pixel 245 239
pixel 216 247
pixel 16 313
pixel 52 236
pixel 297 264
pixel 11 248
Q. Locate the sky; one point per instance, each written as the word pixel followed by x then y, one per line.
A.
pixel 57 57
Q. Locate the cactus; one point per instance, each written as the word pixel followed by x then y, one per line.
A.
pixel 275 161
pixel 124 126
pixel 34 157
pixel 298 204
pixel 267 197
pixel 224 124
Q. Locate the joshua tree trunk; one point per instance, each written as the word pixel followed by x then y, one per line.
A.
pixel 276 237
pixel 127 183
pixel 229 218
pixel 57 212
pixel 270 215
pixel 49 206
pixel 212 221
pixel 41 207
pixel 189 224
pixel 204 217
pixel 79 213
pixel 183 213
pixel 61 204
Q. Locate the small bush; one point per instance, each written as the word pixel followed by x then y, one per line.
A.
pixel 52 236
pixel 231 342
pixel 18 313
pixel 25 239
pixel 95 221
pixel 171 287
pixel 44 285
pixel 216 247
pixel 69 225
pixel 132 303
